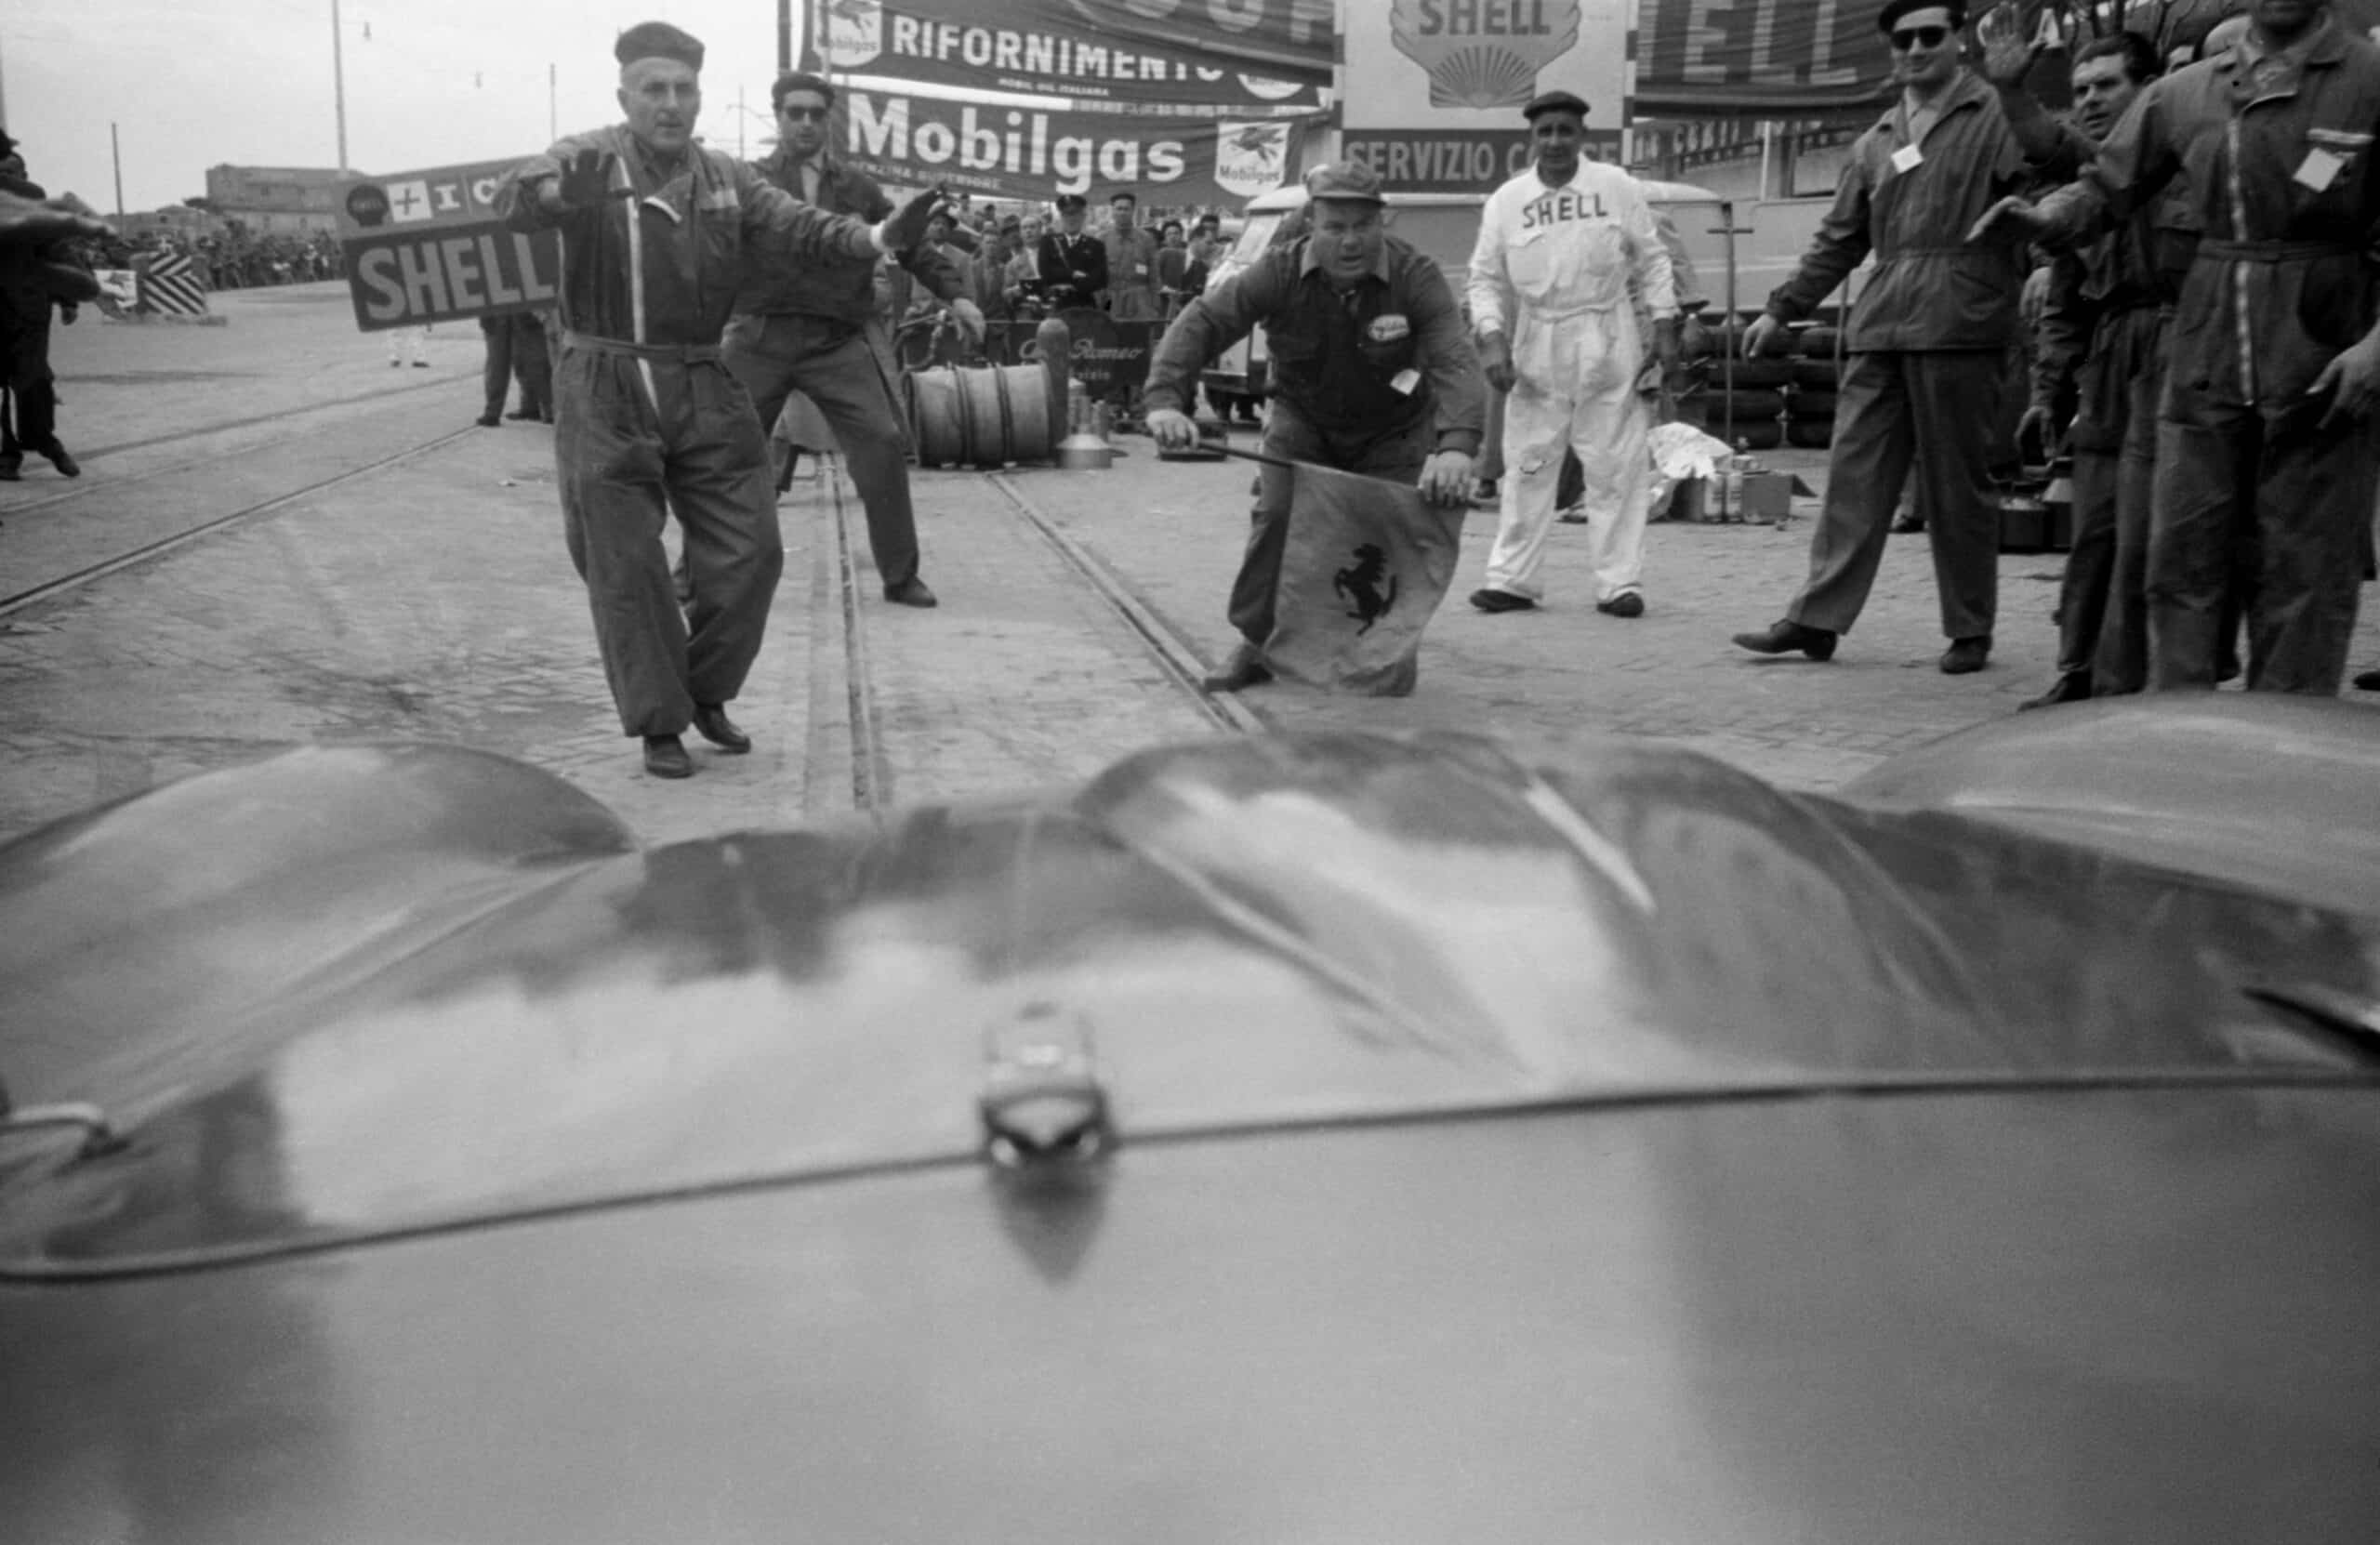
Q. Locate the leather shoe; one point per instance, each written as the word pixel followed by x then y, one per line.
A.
pixel 489 421
pixel 1905 525
pixel 2072 687
pixel 1784 636
pixel 1492 600
pixel 664 757
pixel 1965 657
pixel 2368 681
pixel 525 413
pixel 712 723
pixel 1245 669
pixel 911 591
pixel 1627 603
pixel 56 455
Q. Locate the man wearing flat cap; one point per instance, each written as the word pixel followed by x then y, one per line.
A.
pixel 657 233
pixel 1568 252
pixel 1372 372
pixel 1928 342
pixel 817 330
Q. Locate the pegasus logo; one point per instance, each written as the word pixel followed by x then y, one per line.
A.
pixel 1360 583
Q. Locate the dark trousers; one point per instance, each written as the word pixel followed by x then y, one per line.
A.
pixel 848 373
pixel 633 441
pixel 33 391
pixel 516 350
pixel 2267 487
pixel 1890 406
pixel 2102 611
pixel 1395 453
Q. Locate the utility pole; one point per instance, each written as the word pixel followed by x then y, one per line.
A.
pixel 739 122
pixel 115 148
pixel 339 84
pixel 552 133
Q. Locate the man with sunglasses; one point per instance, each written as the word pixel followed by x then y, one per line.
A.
pixel 2273 373
pixel 817 330
pixel 1928 342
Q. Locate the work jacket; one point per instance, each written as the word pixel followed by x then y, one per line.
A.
pixel 1910 204
pixel 2286 191
pixel 841 290
pixel 1392 349
pixel 663 268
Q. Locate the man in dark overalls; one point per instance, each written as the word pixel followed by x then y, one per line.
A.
pixel 657 236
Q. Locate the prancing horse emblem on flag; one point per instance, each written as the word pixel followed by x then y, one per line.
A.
pixel 1359 582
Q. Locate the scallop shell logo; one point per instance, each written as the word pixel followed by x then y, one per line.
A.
pixel 1483 53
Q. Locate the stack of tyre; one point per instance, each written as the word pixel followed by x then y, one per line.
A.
pixel 1783 399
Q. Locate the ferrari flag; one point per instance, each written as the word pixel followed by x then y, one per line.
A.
pixel 1364 567
pixel 1033 153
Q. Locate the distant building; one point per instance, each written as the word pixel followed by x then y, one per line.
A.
pixel 276 198
pixel 172 220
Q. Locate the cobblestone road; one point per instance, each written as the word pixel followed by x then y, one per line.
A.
pixel 428 596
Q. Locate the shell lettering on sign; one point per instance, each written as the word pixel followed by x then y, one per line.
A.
pixel 1483 53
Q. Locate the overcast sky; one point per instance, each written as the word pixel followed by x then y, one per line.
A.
pixel 189 84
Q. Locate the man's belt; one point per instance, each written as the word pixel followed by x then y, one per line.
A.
pixel 2273 252
pixel 684 354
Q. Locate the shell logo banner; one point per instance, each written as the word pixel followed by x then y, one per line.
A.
pixel 1483 53
pixel 1428 66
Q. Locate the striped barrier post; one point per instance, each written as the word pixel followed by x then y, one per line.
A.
pixel 168 288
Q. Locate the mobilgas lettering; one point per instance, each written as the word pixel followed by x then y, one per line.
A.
pixel 1484 19
pixel 1027 148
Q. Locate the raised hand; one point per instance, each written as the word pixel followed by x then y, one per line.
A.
pixel 906 226
pixel 586 180
pixel 2008 54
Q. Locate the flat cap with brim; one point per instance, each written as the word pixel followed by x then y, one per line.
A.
pixel 1895 9
pixel 1349 182
pixel 659 40
pixel 1072 201
pixel 1555 101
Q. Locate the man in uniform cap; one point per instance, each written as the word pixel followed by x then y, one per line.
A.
pixel 1372 372
pixel 1074 265
pixel 1567 252
pixel 657 234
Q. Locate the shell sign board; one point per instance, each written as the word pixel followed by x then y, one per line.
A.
pixel 1435 87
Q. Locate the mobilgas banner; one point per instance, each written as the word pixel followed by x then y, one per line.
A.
pixel 1017 153
pixel 427 246
pixel 1042 47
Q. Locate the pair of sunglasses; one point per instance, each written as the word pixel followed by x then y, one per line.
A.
pixel 1906 38
pixel 804 114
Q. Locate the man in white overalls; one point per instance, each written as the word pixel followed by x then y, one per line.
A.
pixel 1559 246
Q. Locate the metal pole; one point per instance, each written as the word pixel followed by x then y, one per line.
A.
pixel 339 83
pixel 784 36
pixel 553 130
pixel 115 148
pixel 739 122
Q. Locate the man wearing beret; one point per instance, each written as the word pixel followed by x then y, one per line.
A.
pixel 657 234
pixel 1372 372
pixel 1928 342
pixel 817 330
pixel 1567 252
pixel 1074 264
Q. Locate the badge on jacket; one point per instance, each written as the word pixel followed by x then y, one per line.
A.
pixel 1388 327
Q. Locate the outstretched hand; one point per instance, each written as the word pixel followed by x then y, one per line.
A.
pixel 2352 382
pixel 24 219
pixel 2011 217
pixel 586 180
pixel 906 226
